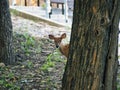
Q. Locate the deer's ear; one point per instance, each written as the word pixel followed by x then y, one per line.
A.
pixel 63 35
pixel 51 36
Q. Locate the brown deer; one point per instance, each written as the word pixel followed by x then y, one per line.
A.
pixel 64 48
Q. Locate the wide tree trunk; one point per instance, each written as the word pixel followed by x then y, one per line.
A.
pixel 6 51
pixel 92 62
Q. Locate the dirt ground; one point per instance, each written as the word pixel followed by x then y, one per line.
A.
pixel 39 65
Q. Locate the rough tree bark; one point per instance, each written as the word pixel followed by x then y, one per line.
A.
pixel 92 62
pixel 6 52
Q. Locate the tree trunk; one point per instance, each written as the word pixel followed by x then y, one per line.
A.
pixel 92 62
pixel 6 50
pixel 112 59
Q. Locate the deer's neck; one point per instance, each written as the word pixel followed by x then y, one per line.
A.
pixel 64 49
pixel 61 48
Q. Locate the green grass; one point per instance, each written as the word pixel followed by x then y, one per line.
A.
pixel 7 81
pixel 48 64
pixel 51 60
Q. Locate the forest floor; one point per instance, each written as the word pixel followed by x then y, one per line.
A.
pixel 39 65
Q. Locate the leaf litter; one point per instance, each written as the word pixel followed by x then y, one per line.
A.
pixel 39 66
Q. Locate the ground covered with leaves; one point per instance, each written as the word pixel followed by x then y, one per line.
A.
pixel 39 66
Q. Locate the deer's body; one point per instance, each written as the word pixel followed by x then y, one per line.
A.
pixel 64 48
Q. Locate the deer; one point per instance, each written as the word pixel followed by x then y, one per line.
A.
pixel 64 48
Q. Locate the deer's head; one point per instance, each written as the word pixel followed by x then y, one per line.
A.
pixel 57 40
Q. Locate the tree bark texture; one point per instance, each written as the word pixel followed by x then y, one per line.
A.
pixel 6 50
pixel 92 62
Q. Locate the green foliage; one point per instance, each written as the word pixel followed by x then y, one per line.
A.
pixel 29 64
pixel 118 86
pixel 57 56
pixel 51 60
pixel 8 81
pixel 47 66
pixel 29 42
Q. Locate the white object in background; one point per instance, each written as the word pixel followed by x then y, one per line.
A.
pixel 66 10
pixel 48 8
pixel 13 2
pixel 119 25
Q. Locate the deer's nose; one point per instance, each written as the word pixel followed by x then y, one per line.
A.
pixel 57 46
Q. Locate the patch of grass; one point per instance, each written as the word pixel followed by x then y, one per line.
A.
pixel 49 64
pixel 8 80
pixel 29 64
pixel 29 42
pixel 51 60
pixel 118 86
pixel 57 56
pixel 28 49
pixel 26 44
